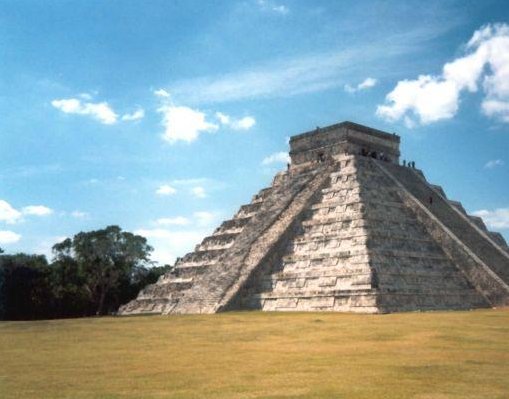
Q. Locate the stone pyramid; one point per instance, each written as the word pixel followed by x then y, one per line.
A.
pixel 345 228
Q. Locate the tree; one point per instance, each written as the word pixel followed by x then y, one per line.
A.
pixel 103 259
pixel 25 291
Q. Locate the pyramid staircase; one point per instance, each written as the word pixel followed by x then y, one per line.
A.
pixel 340 231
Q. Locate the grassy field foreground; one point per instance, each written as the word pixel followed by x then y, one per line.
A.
pixel 260 355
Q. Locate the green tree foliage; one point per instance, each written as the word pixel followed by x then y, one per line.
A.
pixel 102 259
pixel 92 273
pixel 24 286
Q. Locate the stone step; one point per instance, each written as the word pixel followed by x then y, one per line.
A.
pixel 330 293
pixel 315 256
pixel 289 195
pixel 192 270
pixel 199 258
pixel 232 226
pixel 498 238
pixel 372 236
pixel 248 210
pixel 218 241
pixel 478 222
pixel 458 223
pixel 147 306
pixel 456 204
pixel 262 194
pixel 401 254
pixel 439 189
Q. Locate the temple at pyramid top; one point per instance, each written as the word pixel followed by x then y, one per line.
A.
pixel 343 138
pixel 344 228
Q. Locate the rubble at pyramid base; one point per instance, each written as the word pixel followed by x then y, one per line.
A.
pixel 345 228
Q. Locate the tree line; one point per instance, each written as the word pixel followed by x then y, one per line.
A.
pixel 91 274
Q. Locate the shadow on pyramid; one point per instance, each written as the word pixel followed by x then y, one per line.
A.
pixel 345 228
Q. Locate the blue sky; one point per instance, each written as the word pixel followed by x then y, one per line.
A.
pixel 165 116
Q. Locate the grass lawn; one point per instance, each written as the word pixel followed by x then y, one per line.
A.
pixel 260 355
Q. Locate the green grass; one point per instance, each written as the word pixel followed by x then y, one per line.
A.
pixel 260 355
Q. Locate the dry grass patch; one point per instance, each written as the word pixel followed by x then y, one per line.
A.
pixel 260 355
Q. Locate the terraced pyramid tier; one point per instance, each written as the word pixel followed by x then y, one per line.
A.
pixel 345 228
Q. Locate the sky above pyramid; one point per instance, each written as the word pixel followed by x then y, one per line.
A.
pixel 164 117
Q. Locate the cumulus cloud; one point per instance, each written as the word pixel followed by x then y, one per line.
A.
pixel 177 221
pixel 184 123
pixel 495 219
pixel 496 108
pixel 11 215
pixel 244 123
pixel 365 84
pixel 9 237
pixel 494 163
pixel 8 213
pixel 198 192
pixel 278 157
pixel 166 189
pixel 135 116
pixel 431 98
pixel 99 111
pixel 37 210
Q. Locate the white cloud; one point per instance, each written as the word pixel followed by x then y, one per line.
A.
pixel 198 192
pixel 365 84
pixel 430 98
pixel 79 214
pixel 45 246
pixel 9 237
pixel 8 213
pixel 37 210
pixel 166 189
pixel 201 218
pixel 85 96
pixel 204 218
pixel 496 108
pixel 223 118
pixel 184 123
pixel 278 157
pixel 170 244
pixel 268 5
pixel 11 215
pixel 136 115
pixel 494 163
pixel 99 111
pixel 177 221
pixel 244 123
pixel 496 219
pixel 161 93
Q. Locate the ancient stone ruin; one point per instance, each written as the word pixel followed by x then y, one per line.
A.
pixel 346 228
